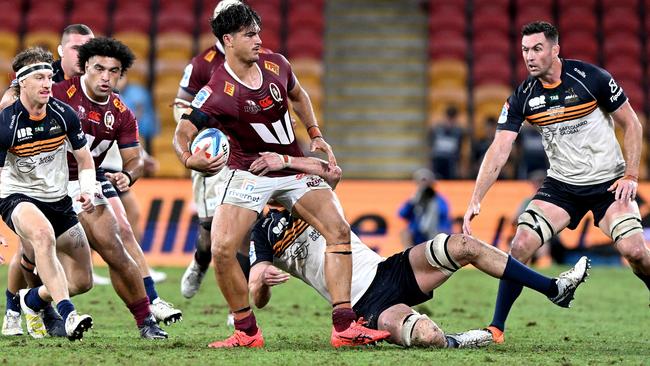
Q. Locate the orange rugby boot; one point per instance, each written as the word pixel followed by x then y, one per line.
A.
pixel 498 336
pixel 357 335
pixel 240 339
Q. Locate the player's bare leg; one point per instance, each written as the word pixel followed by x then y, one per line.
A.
pixel 103 234
pixel 162 310
pixel 230 226
pixel 321 209
pixel 408 328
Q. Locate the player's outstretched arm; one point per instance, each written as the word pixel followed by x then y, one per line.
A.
pixel 270 162
pixel 625 117
pixel 494 160
pixel 262 277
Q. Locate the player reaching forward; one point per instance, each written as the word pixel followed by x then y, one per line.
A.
pixel 574 105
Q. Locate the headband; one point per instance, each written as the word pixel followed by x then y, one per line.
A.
pixel 27 71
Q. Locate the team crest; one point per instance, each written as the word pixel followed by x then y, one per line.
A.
pixel 109 120
pixel 119 105
pixel 201 97
pixel 229 89
pixel 274 68
pixel 71 90
pixel 81 112
pixel 275 92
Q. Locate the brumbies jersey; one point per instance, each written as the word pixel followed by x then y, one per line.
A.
pixel 573 118
pixel 255 120
pixel 299 249
pixel 104 123
pixel 33 150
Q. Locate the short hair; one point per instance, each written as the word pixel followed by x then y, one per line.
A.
pixel 549 30
pixel 80 29
pixel 108 47
pixel 232 19
pixel 30 56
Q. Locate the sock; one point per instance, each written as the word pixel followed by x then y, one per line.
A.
pixel 247 325
pixel 33 301
pixel 150 287
pixel 518 272
pixel 342 318
pixel 13 302
pixel 451 343
pixel 245 264
pixel 140 310
pixel 509 291
pixel 64 307
pixel 644 278
pixel 203 258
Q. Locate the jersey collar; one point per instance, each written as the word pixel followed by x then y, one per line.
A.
pixel 234 76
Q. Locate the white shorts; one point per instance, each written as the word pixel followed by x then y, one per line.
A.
pixel 204 191
pixel 74 190
pixel 248 190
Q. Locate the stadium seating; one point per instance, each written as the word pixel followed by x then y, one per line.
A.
pixel 139 43
pixel 91 14
pixel 448 73
pixel 47 39
pixel 488 102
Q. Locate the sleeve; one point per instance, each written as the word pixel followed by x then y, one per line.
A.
pixel 193 77
pixel 261 249
pixel 128 133
pixel 444 222
pixel 203 108
pixel 75 134
pixel 608 93
pixel 291 77
pixel 406 211
pixel 512 114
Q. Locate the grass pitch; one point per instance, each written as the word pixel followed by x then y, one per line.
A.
pixel 608 325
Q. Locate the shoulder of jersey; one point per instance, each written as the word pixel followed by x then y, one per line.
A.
pixel 59 105
pixel 211 55
pixel 273 62
pixel 68 86
pixel 117 103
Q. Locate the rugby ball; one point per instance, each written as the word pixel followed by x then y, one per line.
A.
pixel 214 139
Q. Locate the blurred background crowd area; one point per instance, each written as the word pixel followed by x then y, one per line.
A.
pixel 396 84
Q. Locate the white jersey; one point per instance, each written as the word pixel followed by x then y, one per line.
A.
pixel 113 159
pixel 33 150
pixel 299 249
pixel 574 120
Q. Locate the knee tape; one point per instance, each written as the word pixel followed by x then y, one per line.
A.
pixel 534 219
pixel 438 255
pixel 409 325
pixel 624 226
pixel 28 264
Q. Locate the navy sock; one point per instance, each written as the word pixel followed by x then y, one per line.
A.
pixel 203 258
pixel 244 263
pixel 451 343
pixel 150 287
pixel 509 291
pixel 64 307
pixel 518 272
pixel 13 303
pixel 644 278
pixel 33 301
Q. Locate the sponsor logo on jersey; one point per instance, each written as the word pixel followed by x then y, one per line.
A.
pixel 580 72
pixel 244 196
pixel 13 122
pixel 81 112
pixel 314 181
pixel 503 117
pixel 275 92
pixel 554 97
pixel 537 102
pixel 229 88
pixel 201 97
pixel 24 133
pixel 272 67
pixel 54 127
pixel 266 103
pixel 571 129
pixel 571 96
pixel 251 107
pixel 71 90
pixel 614 88
pixel 248 185
pixel 94 117
pixel 210 56
pixel 119 105
pixel 187 73
pixel 25 165
pixel 58 106
pixel 109 120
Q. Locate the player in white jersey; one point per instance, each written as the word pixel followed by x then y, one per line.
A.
pixel 384 289
pixel 34 132
pixel 575 106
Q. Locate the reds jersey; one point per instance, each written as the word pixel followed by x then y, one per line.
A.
pixel 573 118
pixel 254 119
pixel 104 123
pixel 198 72
pixel 33 151
pixel 299 249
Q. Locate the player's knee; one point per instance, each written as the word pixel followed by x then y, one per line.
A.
pixel 634 252
pixel 223 251
pixel 523 247
pixel 466 248
pixel 81 284
pixel 340 232
pixel 426 333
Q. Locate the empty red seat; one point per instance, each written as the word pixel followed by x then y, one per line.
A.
pixel 490 19
pixel 448 44
pixel 175 20
pixel 489 42
pixel 531 14
pixel 10 16
pixel 132 19
pixel 622 45
pixel 609 5
pixel 577 19
pixel 91 16
pixel 621 20
pixel 51 19
pixel 566 4
pixel 502 5
pixel 448 18
pixel 493 69
pixel 305 44
pixel 625 68
pixel 579 45
pixel 306 16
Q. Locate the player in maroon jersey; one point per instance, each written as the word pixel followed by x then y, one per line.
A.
pixel 247 98
pixel 106 121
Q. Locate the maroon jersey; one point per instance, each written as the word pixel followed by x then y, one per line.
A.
pixel 103 123
pixel 198 72
pixel 255 120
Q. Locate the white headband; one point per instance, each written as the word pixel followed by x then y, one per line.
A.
pixel 28 70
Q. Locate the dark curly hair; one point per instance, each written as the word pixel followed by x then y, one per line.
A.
pixel 108 47
pixel 233 19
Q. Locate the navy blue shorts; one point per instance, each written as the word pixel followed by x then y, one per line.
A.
pixel 393 284
pixel 578 200
pixel 60 213
pixel 108 190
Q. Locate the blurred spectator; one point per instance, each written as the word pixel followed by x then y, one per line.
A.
pixel 427 212
pixel 446 139
pixel 481 145
pixel 532 156
pixel 138 99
